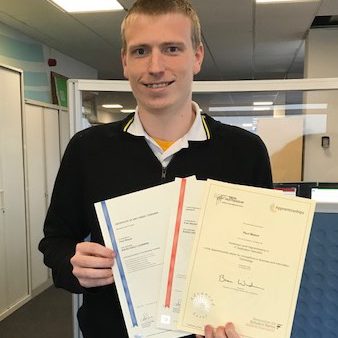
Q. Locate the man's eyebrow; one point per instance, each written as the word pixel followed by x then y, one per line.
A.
pixel 165 44
pixel 135 46
pixel 175 43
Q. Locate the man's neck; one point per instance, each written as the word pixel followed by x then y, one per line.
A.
pixel 168 126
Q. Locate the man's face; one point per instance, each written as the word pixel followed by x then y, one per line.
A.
pixel 160 61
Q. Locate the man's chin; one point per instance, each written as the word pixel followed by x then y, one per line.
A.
pixel 156 106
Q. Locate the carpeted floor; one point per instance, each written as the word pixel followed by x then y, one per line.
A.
pixel 49 315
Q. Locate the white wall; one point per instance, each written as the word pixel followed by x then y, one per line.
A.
pixel 68 66
pixel 20 51
pixel 321 53
pixel 321 61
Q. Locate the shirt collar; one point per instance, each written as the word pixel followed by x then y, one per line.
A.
pixel 198 131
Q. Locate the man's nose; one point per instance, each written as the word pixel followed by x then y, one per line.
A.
pixel 156 62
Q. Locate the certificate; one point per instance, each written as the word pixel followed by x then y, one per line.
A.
pixel 135 227
pixel 247 260
pixel 181 234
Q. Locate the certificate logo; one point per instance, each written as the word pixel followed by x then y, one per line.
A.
pixel 202 304
pixel 275 208
pixel 228 199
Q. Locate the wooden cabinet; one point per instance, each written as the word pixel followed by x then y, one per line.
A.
pixel 14 278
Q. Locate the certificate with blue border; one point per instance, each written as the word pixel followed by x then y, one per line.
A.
pixel 135 226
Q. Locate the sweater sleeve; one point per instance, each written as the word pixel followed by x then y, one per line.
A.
pixel 64 225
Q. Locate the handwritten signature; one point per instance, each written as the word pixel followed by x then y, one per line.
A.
pixel 223 279
pixel 249 285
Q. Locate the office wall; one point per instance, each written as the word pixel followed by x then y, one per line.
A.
pixel 20 51
pixel 321 61
pixel 321 48
pixel 285 148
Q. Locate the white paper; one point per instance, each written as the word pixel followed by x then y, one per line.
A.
pixel 135 227
pixel 181 234
pixel 247 261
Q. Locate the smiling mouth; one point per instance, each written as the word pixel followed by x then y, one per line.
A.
pixel 159 85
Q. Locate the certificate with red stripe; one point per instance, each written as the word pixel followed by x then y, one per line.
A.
pixel 135 227
pixel 181 233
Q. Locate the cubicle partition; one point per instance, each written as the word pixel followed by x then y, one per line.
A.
pixel 317 306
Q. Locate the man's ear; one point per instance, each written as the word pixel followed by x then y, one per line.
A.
pixel 124 63
pixel 199 56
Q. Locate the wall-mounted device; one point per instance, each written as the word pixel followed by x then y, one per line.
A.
pixel 325 142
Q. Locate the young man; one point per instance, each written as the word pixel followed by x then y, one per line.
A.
pixel 166 138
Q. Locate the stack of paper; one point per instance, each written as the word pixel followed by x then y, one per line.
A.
pixel 191 253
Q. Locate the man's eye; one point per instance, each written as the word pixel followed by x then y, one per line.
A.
pixel 139 51
pixel 172 49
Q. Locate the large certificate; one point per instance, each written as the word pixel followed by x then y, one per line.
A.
pixel 247 261
pixel 181 234
pixel 135 227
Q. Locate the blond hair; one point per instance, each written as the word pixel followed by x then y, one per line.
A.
pixel 159 7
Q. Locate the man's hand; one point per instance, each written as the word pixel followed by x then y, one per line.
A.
pixel 227 331
pixel 92 264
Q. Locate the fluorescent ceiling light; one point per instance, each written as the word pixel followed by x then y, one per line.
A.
pixel 127 111
pixel 263 103
pixel 280 1
pixel 88 5
pixel 262 108
pixel 305 106
pixel 112 106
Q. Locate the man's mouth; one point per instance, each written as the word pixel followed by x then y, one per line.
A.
pixel 158 85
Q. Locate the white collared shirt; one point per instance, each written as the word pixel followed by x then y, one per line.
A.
pixel 197 132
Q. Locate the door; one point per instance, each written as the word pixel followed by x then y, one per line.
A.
pixel 14 242
pixel 43 160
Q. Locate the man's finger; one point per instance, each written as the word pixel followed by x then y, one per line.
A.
pixel 220 332
pixel 230 331
pixel 94 249
pixel 209 331
pixel 92 273
pixel 90 283
pixel 91 261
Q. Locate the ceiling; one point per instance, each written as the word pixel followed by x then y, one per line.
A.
pixel 243 40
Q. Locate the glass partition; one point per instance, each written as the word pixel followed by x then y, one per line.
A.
pixel 298 121
pixel 299 126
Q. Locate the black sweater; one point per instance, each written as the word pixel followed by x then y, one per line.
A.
pixel 104 162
